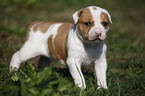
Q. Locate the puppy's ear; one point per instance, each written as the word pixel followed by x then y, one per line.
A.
pixel 109 16
pixel 76 15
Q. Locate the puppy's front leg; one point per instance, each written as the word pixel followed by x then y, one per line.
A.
pixel 75 70
pixel 100 69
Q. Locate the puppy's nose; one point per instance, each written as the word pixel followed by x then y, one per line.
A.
pixel 98 33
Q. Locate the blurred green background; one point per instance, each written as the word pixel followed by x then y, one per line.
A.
pixel 126 37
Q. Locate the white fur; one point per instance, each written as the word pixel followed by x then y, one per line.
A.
pixel 36 45
pixel 84 54
pixel 79 52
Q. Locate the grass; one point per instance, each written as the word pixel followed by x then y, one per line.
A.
pixel 125 55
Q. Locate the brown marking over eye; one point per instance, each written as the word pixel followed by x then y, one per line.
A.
pixel 58 46
pixel 104 19
pixel 85 16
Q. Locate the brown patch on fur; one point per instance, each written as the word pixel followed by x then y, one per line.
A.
pixel 27 34
pixel 85 16
pixel 80 12
pixel 94 8
pixel 58 46
pixel 43 26
pixel 36 27
pixel 104 18
pixel 33 23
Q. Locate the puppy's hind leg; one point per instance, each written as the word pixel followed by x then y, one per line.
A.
pixel 28 51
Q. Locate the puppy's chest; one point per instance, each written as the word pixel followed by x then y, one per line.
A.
pixel 93 51
pixel 88 53
pixel 88 56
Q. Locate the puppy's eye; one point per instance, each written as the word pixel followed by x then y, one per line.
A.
pixel 105 23
pixel 87 23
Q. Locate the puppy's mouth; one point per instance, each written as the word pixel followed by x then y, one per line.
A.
pixel 96 39
pixel 88 40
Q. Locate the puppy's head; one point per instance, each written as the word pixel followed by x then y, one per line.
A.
pixel 92 24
